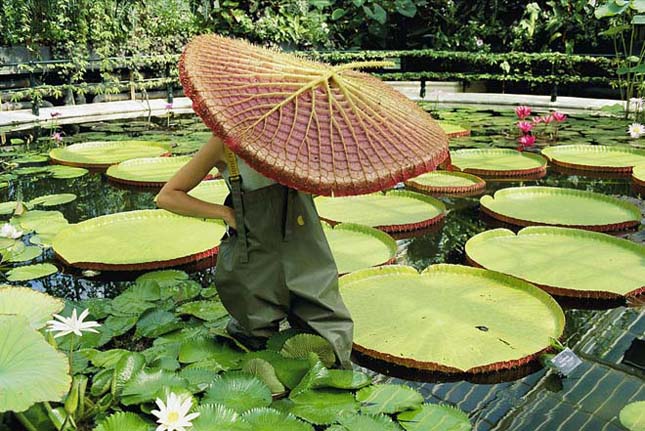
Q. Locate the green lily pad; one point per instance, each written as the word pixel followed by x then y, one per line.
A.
pixel 53 200
pixel 434 417
pixel 7 207
pixel 446 182
pixel 148 171
pixel 214 191
pixel 147 385
pixel 388 399
pixel 632 416
pixel 61 172
pixel 216 417
pixel 638 175
pixel 266 419
pixel 101 154
pixel 560 207
pixel 31 371
pixel 299 346
pixel 36 306
pixel 595 157
pixel 25 254
pixel 122 421
pixel 497 162
pixel 453 130
pixel 357 247
pixel 392 212
pixel 322 407
pixel 365 423
pixel 116 241
pixel 238 391
pixel 485 334
pixel 568 262
pixel 205 310
pixel 31 272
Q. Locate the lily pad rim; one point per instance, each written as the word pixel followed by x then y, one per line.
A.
pixel 548 152
pixel 478 183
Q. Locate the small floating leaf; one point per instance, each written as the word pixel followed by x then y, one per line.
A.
pixel 31 272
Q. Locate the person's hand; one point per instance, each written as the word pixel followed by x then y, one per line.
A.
pixel 229 217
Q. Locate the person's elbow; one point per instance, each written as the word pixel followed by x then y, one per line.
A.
pixel 165 199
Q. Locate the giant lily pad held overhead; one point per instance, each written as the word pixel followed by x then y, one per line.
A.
pixel 595 157
pixel 395 211
pixel 149 171
pixel 526 206
pixel 102 154
pixel 564 262
pixel 145 239
pixel 449 318
pixel 356 246
pixel 498 162
pixel 314 127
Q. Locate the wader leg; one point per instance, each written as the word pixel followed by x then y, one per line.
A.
pixel 312 278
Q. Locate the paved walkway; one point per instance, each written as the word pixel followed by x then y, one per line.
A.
pixel 24 119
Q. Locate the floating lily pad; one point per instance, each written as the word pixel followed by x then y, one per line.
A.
pixel 526 206
pixel 434 417
pixel 566 262
pixel 36 306
pixel 53 200
pixel 446 182
pixel 595 157
pixel 632 416
pixel 498 162
pixel 395 211
pixel 7 207
pixel 453 130
pixel 144 239
pixel 101 154
pixel 61 172
pixel 400 317
pixel 24 254
pixel 214 191
pixel 31 272
pixel 357 246
pixel 149 171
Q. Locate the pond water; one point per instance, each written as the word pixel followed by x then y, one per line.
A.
pixel 589 399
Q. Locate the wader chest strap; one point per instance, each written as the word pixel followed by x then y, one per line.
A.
pixel 238 207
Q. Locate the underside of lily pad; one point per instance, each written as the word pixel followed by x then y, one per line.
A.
pixel 102 154
pixel 602 158
pixel 498 162
pixel 149 171
pixel 138 240
pixel 565 262
pixel 357 247
pixel 553 206
pixel 450 318
pixel 445 182
pixel 394 211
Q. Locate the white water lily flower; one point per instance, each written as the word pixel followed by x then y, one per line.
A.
pixel 635 130
pixel 9 231
pixel 67 325
pixel 173 416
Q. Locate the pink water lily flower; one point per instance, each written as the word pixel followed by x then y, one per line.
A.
pixel 55 114
pixel 57 137
pixel 525 126
pixel 527 141
pixel 168 105
pixel 547 119
pixel 522 112
pixel 558 116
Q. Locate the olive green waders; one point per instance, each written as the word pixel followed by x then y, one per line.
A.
pixel 279 265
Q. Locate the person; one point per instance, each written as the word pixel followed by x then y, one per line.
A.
pixel 274 262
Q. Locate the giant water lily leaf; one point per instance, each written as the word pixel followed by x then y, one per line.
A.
pixel 318 128
pixel 356 247
pixel 31 272
pixel 484 333
pixel 638 175
pixel 498 162
pixel 267 419
pixel 31 370
pixel 632 416
pixel 137 239
pixel 214 191
pixel 322 407
pixel 36 306
pixel 149 171
pixel 61 172
pixel 446 182
pixel 53 200
pixel 434 417
pixel 388 399
pixel 37 220
pixel 122 421
pixel 561 207
pixel 595 157
pixel 216 417
pixel 238 391
pixel 568 262
pixel 101 154
pixel 392 212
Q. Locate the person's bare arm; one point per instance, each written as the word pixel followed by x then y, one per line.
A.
pixel 174 195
